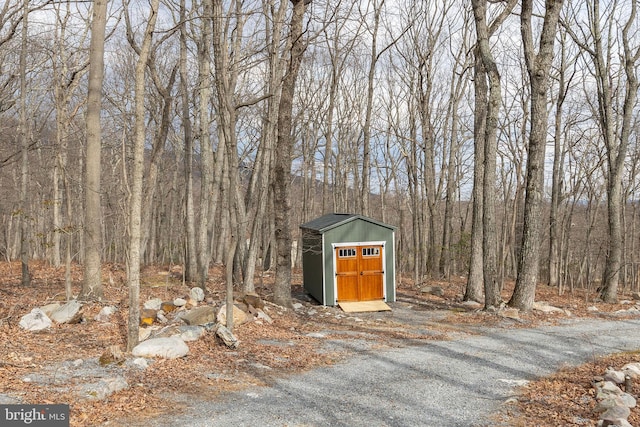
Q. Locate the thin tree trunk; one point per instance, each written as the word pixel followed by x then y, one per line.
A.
pixel 190 267
pixel 137 175
pixel 25 216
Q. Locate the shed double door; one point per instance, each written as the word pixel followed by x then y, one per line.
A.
pixel 359 273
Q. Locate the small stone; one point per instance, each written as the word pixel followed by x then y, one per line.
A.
pixel 611 387
pixel 263 316
pixel 180 302
pixel 144 333
pixel 471 304
pixel 104 388
pixel 191 333
pixel 197 294
pixel 608 403
pixel 616 377
pixel 147 317
pixel 297 306
pixel 628 400
pixel 161 318
pixel 509 313
pixel 433 290
pixel 105 314
pixel 227 337
pixel 615 413
pixel 620 422
pixel 168 306
pixel 140 362
pixel 632 369
pixel 153 304
pixel 546 308
pixel 253 300
pixel 593 308
pixel 113 354
pixel 317 335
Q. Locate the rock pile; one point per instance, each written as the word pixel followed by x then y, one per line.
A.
pixel 165 325
pixel 613 404
pixel 43 317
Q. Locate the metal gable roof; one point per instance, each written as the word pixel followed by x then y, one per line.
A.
pixel 333 220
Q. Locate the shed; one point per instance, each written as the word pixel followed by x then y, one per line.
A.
pixel 347 257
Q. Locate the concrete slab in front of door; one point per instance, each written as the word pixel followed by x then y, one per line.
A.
pixel 363 306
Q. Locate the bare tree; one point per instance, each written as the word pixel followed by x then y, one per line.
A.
pixel 487 107
pixel 539 66
pixel 190 253
pixel 135 202
pixel 25 216
pixel 282 167
pixel 92 285
pixel 617 151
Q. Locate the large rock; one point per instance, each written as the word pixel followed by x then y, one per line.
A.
pixel 50 308
pixel 239 316
pixel 200 316
pixel 35 321
pixel 167 348
pixel 68 313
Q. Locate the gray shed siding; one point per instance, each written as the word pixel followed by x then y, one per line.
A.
pixel 319 239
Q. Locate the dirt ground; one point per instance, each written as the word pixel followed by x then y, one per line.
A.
pixel 37 367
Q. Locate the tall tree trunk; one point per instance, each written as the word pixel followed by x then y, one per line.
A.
pixel 492 286
pixel 92 284
pixel 258 194
pixel 538 66
pixel 475 279
pixel 190 252
pixel 206 152
pixel 365 188
pixel 557 173
pixel 135 202
pixel 615 158
pixel 282 166
pixel 25 216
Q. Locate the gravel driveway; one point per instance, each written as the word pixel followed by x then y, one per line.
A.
pixel 438 383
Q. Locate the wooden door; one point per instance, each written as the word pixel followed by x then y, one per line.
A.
pixel 359 273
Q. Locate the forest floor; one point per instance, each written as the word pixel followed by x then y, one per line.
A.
pixel 296 341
